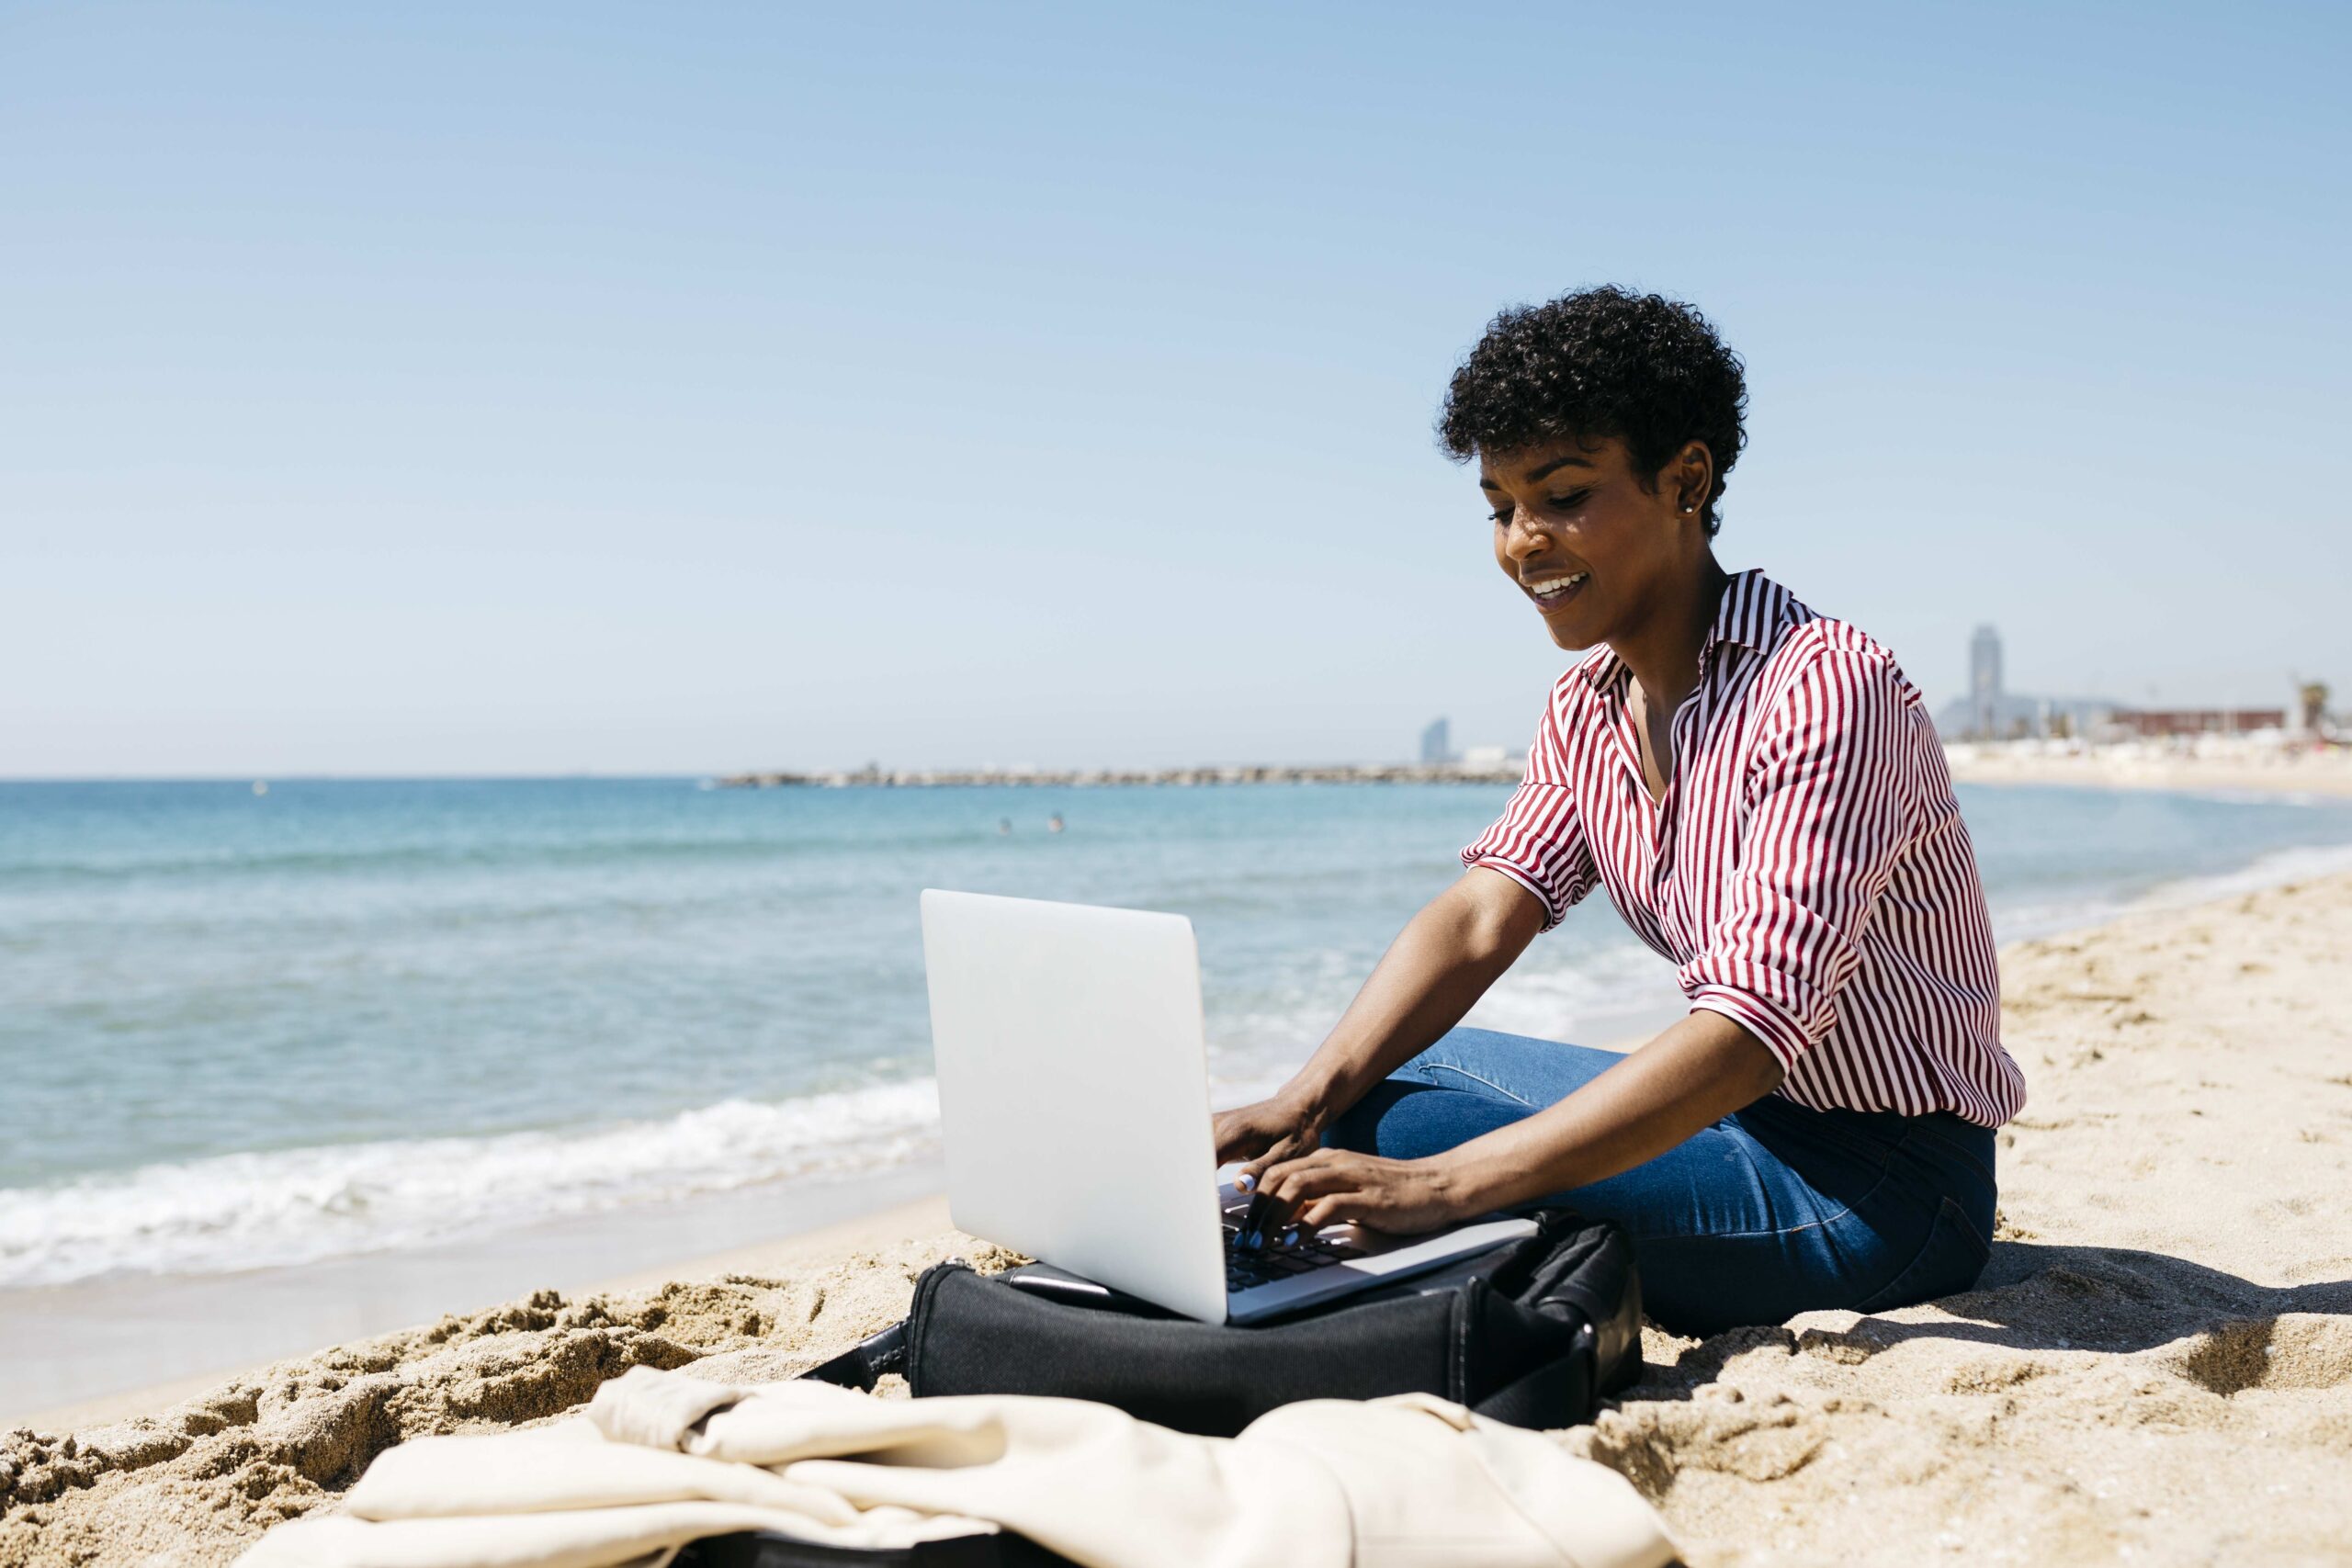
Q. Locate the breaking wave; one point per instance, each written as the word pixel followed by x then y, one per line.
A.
pixel 256 1210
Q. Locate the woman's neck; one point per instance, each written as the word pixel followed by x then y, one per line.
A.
pixel 1663 652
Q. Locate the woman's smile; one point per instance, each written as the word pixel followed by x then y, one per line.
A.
pixel 1554 591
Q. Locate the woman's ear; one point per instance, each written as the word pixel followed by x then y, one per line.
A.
pixel 1690 472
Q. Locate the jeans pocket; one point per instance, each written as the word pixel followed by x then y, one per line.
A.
pixel 1949 1262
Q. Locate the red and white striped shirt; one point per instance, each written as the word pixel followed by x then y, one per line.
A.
pixel 1807 869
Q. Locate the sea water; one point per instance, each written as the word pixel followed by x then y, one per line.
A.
pixel 240 1029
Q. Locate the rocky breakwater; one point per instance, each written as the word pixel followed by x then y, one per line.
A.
pixel 1347 772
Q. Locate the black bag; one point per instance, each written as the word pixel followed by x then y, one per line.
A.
pixel 767 1549
pixel 1532 1332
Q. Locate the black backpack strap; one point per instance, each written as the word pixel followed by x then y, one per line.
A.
pixel 862 1365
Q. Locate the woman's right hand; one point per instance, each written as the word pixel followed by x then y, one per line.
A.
pixel 1278 1128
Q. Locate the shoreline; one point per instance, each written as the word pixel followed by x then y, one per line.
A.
pixel 897 1220
pixel 104 1358
pixel 2156 1363
pixel 175 1335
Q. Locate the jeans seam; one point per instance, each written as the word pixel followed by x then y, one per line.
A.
pixel 1984 1243
pixel 1473 1077
pixel 1885 1173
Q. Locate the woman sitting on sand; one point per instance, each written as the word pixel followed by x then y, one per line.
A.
pixel 1762 797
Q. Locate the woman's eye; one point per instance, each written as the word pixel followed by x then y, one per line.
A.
pixel 1569 502
pixel 1501 515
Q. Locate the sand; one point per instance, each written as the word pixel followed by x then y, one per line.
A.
pixel 2156 1366
pixel 2227 767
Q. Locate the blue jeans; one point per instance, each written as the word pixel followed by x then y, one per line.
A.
pixel 1773 1211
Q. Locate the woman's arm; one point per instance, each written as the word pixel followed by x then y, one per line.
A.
pixel 1701 1069
pixel 1440 965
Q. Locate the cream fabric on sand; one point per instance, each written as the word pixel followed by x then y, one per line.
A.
pixel 661 1459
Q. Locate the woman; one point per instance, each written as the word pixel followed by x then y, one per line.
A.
pixel 1760 792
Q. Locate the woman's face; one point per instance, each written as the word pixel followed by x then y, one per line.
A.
pixel 1574 517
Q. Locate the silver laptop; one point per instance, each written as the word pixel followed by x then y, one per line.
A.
pixel 1074 1103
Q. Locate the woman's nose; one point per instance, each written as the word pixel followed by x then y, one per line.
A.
pixel 1521 540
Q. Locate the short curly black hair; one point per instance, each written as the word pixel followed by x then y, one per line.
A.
pixel 1603 361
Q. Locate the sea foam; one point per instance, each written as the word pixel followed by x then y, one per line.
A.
pixel 247 1211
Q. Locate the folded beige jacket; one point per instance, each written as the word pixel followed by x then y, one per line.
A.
pixel 661 1459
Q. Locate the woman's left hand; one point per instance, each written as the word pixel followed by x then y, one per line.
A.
pixel 1330 1187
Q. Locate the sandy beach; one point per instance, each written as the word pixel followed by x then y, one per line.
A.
pixel 2229 768
pixel 2157 1365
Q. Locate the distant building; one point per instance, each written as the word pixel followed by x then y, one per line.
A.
pixel 1990 711
pixel 2157 724
pixel 1985 682
pixel 1437 743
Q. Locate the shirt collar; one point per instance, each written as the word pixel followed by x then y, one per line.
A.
pixel 1751 610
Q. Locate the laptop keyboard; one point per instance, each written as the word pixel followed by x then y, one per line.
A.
pixel 1263 1266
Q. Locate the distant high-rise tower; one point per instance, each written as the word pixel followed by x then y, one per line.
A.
pixel 1437 743
pixel 1984 682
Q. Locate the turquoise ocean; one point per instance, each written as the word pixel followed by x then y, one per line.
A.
pixel 240 1029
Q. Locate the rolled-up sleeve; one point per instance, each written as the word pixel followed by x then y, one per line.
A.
pixel 1539 841
pixel 1830 809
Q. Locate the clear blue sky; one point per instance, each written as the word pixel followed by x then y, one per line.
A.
pixel 485 389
